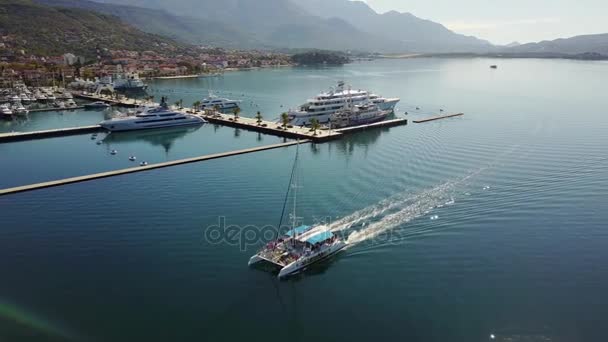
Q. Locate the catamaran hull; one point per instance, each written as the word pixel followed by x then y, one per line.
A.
pixel 302 263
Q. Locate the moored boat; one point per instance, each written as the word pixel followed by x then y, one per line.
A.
pixel 322 106
pixel 158 117
pixel 361 114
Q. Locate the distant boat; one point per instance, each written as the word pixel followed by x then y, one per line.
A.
pixel 223 104
pixel 494 66
pixel 97 104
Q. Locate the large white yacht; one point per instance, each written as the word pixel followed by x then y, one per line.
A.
pixel 159 117
pixel 325 104
pixel 129 82
pixel 360 114
pixel 222 104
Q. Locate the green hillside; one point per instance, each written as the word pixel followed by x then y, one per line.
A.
pixel 44 30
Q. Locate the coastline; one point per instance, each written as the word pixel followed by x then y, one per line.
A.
pixel 580 57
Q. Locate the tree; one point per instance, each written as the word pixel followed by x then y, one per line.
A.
pixel 314 125
pixel 236 112
pixel 258 118
pixel 196 105
pixel 285 120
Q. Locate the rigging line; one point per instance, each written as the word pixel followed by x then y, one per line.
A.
pixel 293 171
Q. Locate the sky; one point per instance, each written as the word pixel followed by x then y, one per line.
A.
pixel 503 22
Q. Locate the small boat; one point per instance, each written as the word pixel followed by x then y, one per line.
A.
pixel 70 103
pixel 97 104
pixel 494 66
pixel 113 152
pixel 143 163
pixel 132 158
pixel 6 112
pixel 300 247
pixel 19 109
pixel 99 142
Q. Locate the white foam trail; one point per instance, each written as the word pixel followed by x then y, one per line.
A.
pixel 397 210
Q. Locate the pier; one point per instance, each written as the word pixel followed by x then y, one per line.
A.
pixel 438 117
pixel 79 179
pixel 38 110
pixel 51 133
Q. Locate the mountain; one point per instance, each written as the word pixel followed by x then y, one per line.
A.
pixel 412 33
pixel 273 23
pixel 182 28
pixel 325 24
pixel 593 43
pixel 45 30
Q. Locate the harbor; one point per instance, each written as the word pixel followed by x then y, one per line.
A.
pixel 447 210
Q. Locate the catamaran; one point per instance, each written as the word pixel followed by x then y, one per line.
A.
pixel 301 246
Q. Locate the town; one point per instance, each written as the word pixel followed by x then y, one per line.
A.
pixel 36 70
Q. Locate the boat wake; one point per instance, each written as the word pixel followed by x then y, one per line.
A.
pixel 378 221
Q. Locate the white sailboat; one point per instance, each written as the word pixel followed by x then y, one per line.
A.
pixel 301 246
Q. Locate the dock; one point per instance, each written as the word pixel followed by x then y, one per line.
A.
pixel 38 110
pixel 91 177
pixel 51 133
pixel 438 117
pixel 387 123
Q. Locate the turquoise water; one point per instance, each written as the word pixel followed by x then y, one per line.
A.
pixel 492 223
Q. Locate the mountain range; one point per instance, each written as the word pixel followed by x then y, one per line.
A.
pixel 267 24
pixel 325 24
pixel 44 30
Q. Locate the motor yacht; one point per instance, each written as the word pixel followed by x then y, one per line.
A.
pixel 222 104
pixel 322 106
pixel 159 117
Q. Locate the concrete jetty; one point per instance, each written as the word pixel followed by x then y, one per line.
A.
pixel 387 123
pixel 79 179
pixel 438 117
pixel 38 110
pixel 51 133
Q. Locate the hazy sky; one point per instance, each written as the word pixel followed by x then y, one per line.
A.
pixel 502 22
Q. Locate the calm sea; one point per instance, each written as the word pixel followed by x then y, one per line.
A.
pixel 492 224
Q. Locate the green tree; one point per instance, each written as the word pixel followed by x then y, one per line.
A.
pixel 236 112
pixel 314 125
pixel 196 105
pixel 258 118
pixel 285 120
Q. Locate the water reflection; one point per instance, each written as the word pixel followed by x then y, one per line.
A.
pixel 347 144
pixel 157 137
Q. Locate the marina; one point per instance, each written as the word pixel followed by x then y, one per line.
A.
pixel 143 167
pixel 491 224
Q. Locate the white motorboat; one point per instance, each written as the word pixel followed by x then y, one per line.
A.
pixel 6 112
pixel 322 106
pixel 97 104
pixel 159 117
pixel 15 98
pixel 222 104
pixel 300 247
pixel 24 98
pixel 19 109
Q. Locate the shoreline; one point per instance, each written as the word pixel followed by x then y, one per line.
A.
pixel 577 57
